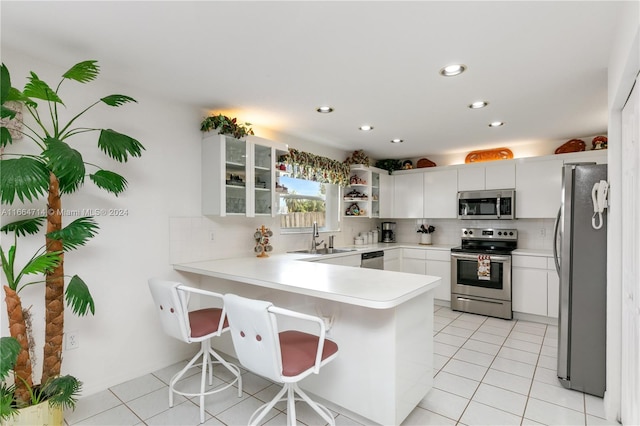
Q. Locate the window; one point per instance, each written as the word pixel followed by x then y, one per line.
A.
pixel 301 202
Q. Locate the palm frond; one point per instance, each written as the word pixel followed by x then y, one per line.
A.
pixel 62 391
pixel 5 83
pixel 79 298
pixel 24 227
pixel 38 89
pixel 5 137
pixel 66 163
pixel 83 72
pixel 117 100
pixel 76 234
pixel 9 350
pixel 41 264
pixel 119 146
pixel 7 406
pixel 24 177
pixel 6 113
pixel 109 181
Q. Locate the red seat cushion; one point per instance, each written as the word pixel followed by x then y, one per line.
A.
pixel 299 350
pixel 205 321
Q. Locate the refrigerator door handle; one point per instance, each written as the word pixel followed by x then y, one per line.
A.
pixel 556 234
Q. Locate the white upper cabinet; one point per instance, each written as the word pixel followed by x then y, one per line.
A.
pixel 408 196
pixel 238 176
pixel 492 175
pixel 440 194
pixel 538 187
pixel 386 194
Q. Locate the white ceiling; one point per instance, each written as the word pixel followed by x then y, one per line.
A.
pixel 542 65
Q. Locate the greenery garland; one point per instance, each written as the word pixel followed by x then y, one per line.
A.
pixel 316 168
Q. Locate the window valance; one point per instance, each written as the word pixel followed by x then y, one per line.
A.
pixel 304 165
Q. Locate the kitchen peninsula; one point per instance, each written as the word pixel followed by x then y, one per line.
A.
pixel 382 322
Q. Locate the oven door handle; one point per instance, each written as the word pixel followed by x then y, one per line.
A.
pixel 475 257
pixel 498 207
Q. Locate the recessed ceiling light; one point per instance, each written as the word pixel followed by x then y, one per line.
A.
pixel 366 127
pixel 396 140
pixel 324 109
pixel 496 124
pixel 453 70
pixel 478 104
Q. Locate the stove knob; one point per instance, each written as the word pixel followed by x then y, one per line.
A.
pixel 470 232
pixel 465 232
pixel 500 233
pixel 511 233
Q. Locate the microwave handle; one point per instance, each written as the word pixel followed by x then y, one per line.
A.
pixel 498 207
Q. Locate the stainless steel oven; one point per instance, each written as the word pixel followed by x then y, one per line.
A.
pixel 481 272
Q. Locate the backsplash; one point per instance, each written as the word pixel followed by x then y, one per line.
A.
pixel 200 238
pixel 532 233
pixel 191 237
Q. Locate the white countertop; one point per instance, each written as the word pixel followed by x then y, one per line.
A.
pixel 532 252
pixel 370 288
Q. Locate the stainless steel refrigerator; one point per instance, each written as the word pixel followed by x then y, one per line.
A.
pixel 580 251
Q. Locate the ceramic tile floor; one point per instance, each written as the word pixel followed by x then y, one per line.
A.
pixel 487 372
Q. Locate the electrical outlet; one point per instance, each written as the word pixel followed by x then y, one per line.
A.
pixel 211 236
pixel 543 232
pixel 72 340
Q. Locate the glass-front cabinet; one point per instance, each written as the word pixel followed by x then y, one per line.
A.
pixel 238 176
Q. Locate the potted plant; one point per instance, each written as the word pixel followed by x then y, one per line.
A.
pixel 389 165
pixel 425 233
pixel 226 126
pixel 56 169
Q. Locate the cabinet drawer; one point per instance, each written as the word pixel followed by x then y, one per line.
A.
pixel 414 254
pixel 536 262
pixel 444 255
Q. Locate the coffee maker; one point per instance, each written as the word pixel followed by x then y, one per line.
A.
pixel 388 233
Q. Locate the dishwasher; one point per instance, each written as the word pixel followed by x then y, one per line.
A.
pixel 372 260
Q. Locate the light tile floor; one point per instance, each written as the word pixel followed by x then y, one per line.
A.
pixel 487 372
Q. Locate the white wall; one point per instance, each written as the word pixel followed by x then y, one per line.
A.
pixel 624 65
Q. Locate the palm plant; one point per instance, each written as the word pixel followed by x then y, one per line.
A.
pixel 56 170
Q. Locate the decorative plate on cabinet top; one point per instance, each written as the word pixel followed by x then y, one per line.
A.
pixel 574 145
pixel 489 155
pixel 425 162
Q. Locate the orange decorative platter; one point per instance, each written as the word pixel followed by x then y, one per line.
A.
pixel 489 155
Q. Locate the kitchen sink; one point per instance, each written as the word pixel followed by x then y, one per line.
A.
pixel 322 251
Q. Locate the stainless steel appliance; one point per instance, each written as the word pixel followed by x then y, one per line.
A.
pixel 487 204
pixel 388 234
pixel 581 260
pixel 481 272
pixel 372 260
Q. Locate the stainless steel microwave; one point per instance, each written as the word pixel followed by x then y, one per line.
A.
pixel 487 204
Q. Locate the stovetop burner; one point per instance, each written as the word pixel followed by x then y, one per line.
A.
pixel 488 241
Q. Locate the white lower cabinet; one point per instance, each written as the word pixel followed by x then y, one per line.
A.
pixel 434 262
pixel 534 286
pixel 439 265
pixel 414 261
pixel 392 260
pixel 553 289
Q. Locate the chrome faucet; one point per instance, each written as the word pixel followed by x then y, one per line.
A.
pixel 314 235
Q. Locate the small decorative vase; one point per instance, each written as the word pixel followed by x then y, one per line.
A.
pixel 425 239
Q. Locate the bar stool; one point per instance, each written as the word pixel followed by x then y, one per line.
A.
pixel 282 356
pixel 172 300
